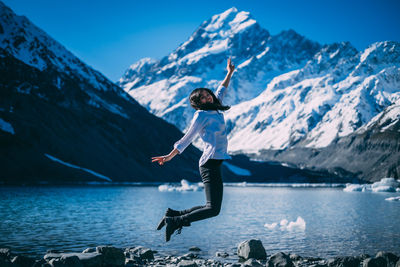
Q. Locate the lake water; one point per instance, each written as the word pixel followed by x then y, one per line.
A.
pixel 35 219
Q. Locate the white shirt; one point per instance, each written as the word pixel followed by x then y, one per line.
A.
pixel 210 125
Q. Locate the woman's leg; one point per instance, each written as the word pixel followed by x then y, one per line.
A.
pixel 211 175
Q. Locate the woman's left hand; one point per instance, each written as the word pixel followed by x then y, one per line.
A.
pixel 230 67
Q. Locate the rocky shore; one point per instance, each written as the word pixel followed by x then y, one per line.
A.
pixel 250 253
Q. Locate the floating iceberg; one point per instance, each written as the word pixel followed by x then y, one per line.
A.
pixel 393 198
pixel 184 186
pixel 285 225
pixel 384 185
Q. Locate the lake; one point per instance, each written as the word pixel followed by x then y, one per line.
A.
pixel 35 219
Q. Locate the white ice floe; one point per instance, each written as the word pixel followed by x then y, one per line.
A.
pixel 290 185
pixel 184 186
pixel 393 198
pixel 285 225
pixel 384 185
pixel 77 167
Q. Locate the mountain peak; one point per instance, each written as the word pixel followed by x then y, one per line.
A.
pixel 229 20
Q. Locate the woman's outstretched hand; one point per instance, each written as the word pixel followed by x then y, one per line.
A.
pixel 162 159
pixel 230 67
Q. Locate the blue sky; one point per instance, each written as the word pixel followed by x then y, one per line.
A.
pixel 111 35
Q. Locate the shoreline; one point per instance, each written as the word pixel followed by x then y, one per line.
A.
pixel 249 253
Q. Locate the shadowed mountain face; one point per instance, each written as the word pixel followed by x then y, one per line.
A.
pixel 61 121
pixel 288 94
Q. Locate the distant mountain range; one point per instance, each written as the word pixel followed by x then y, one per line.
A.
pixel 328 107
pixel 63 122
pixel 301 112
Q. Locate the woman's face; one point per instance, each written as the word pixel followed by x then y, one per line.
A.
pixel 205 97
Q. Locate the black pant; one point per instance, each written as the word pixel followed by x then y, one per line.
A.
pixel 212 179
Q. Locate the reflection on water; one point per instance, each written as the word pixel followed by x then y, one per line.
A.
pixel 35 219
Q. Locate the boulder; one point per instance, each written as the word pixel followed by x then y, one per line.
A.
pixel 252 248
pixel 347 261
pixel 375 262
pixel 5 263
pixel 295 257
pixel 89 250
pixel 252 263
pixel 142 252
pixel 87 259
pixel 221 254
pixel 5 253
pixel 111 255
pixel 194 249
pixel 186 263
pixel 280 259
pixel 66 261
pixel 398 263
pixel 390 258
pixel 23 261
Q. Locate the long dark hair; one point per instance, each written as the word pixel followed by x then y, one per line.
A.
pixel 196 103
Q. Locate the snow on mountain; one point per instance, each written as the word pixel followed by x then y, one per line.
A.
pixel 163 86
pixel 286 91
pixel 333 95
pixel 31 45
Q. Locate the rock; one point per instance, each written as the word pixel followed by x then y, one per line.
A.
pixel 186 263
pixel 280 259
pixel 5 263
pixel 390 258
pixel 143 253
pixel 66 260
pixel 87 259
pixel 375 262
pixel 23 261
pixel 5 253
pixel 347 261
pixel 40 263
pixel 252 248
pixel 251 263
pixel 189 256
pixel 398 263
pixel 295 257
pixel 89 250
pixel 234 265
pixel 194 249
pixel 221 254
pixel 111 255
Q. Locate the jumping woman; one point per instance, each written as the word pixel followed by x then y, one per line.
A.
pixel 208 121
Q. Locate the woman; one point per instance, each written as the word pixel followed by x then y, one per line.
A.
pixel 209 123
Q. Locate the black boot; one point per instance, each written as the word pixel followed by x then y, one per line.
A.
pixel 174 223
pixel 168 213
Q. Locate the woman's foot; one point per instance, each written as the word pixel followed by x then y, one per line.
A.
pixel 168 213
pixel 174 223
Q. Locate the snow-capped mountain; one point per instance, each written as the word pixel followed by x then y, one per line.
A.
pixel 287 91
pixel 163 86
pixel 62 121
pixel 334 94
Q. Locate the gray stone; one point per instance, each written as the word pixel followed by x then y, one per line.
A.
pixel 66 261
pixel 375 262
pixel 189 256
pixel 186 263
pixel 111 255
pixel 89 250
pixel 252 248
pixel 23 261
pixel 252 263
pixel 390 258
pixel 41 263
pixel 221 254
pixel 5 263
pixel 295 257
pixel 280 259
pixel 347 261
pixel 5 253
pixel 398 263
pixel 194 249
pixel 143 253
pixel 87 259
